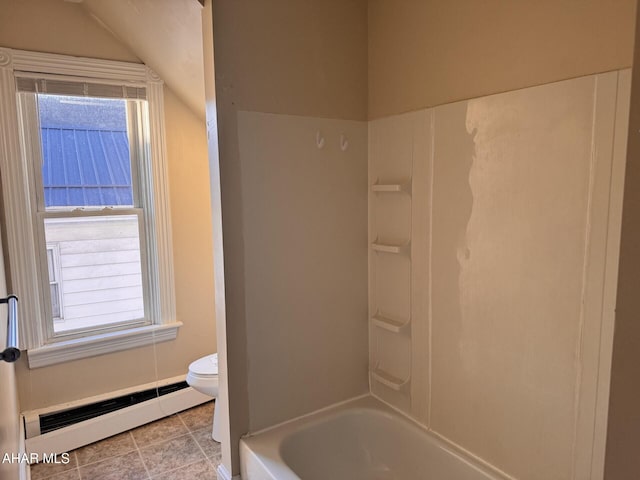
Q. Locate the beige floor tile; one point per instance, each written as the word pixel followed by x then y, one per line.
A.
pixel 109 447
pixel 41 471
pixel 172 454
pixel 198 417
pixel 211 448
pixel 68 475
pixel 203 470
pixel 167 448
pixel 160 430
pixel 124 467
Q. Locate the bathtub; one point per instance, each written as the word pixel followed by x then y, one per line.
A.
pixel 362 439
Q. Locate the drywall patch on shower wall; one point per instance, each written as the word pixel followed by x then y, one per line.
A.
pixel 305 267
pixel 514 198
pixel 511 191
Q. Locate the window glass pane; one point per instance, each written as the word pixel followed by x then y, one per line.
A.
pixel 100 270
pixel 85 150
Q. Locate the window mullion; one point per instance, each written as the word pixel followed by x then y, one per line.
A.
pixel 86 212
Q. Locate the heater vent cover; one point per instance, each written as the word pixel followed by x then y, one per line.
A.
pixel 54 421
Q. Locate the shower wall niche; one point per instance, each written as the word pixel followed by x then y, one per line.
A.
pixel 399 173
pixel 493 243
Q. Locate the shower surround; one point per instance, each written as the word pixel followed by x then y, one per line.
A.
pixel 494 229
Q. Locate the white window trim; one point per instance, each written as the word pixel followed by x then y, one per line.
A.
pixel 101 343
pixel 18 202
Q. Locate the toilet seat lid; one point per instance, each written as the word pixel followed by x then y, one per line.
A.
pixel 205 366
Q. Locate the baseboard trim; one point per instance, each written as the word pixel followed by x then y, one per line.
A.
pixel 95 429
pixel 32 416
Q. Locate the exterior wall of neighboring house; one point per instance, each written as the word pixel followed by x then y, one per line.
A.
pixel 98 263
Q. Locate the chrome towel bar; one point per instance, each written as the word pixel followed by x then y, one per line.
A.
pixel 12 352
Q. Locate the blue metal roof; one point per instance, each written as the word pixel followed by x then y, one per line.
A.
pixel 85 152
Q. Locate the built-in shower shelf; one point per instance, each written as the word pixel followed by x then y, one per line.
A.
pixel 390 187
pixel 388 248
pixel 389 324
pixel 388 380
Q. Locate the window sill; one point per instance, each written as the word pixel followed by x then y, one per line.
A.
pixel 78 348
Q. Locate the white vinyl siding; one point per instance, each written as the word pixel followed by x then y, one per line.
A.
pixel 100 275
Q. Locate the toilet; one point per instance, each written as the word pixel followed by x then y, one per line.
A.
pixel 203 377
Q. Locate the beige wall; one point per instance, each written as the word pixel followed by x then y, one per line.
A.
pixel 192 238
pixel 61 27
pixel 294 57
pixel 622 460
pixel 57 27
pixel 425 52
pixel 167 35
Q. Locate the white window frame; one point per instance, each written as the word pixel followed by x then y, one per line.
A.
pixel 32 143
pixel 20 207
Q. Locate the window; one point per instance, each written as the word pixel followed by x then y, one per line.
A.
pixel 96 255
pixel 89 204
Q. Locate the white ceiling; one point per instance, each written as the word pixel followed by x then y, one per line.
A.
pixel 166 35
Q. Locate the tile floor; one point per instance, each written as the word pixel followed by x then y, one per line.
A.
pixel 178 447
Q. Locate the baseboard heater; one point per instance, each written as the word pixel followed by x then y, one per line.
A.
pixel 54 421
pixel 59 430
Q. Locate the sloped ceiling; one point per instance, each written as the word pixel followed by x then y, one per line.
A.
pixel 166 35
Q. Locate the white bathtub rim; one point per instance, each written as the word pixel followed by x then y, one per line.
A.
pixel 270 460
pixel 270 451
pixel 259 446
